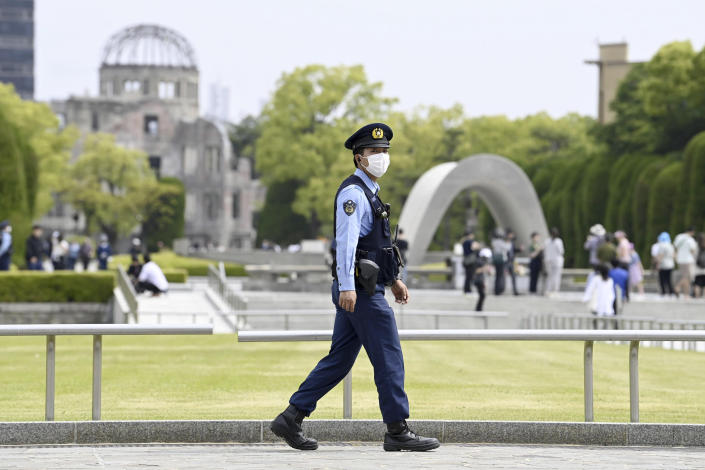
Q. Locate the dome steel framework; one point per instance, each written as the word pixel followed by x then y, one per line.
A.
pixel 148 44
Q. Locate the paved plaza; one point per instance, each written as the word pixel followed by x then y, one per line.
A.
pixel 348 456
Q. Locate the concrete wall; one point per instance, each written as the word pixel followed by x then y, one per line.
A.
pixel 138 82
pixel 36 313
pixel 612 68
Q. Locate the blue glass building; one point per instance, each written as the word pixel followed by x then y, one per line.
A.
pixel 17 45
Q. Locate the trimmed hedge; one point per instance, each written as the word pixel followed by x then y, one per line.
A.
pixel 176 275
pixel 37 286
pixel 193 266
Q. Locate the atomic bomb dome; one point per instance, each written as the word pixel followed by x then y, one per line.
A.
pixel 150 62
pixel 150 45
pixel 148 99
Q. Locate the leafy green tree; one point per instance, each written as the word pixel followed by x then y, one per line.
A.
pixel 659 104
pixel 661 198
pixel 38 129
pixel 164 215
pixel 640 203
pixel 632 130
pixel 111 185
pixel 670 93
pixel 277 222
pixel 624 203
pixel 17 183
pixel 693 184
pixel 243 137
pixel 33 156
pixel 594 189
pixel 303 127
pixel 573 218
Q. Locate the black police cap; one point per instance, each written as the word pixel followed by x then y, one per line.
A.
pixel 376 134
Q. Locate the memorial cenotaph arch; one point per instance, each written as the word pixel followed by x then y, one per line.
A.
pixel 502 185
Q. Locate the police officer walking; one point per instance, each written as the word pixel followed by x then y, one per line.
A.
pixel 366 261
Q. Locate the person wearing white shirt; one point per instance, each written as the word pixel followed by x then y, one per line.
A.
pixel 599 293
pixel 686 252
pixel 151 278
pixel 665 263
pixel 553 257
pixel 654 256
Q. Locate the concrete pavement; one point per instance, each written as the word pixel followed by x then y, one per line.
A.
pixel 353 456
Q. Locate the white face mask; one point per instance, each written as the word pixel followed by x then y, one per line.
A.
pixel 378 164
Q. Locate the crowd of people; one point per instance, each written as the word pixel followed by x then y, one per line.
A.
pixel 498 259
pixel 618 269
pixel 617 266
pixel 685 257
pixel 55 253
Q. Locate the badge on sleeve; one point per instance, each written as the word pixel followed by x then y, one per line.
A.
pixel 349 207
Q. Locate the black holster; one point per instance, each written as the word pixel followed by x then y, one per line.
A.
pixel 366 272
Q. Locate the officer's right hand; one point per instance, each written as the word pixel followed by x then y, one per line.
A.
pixel 347 300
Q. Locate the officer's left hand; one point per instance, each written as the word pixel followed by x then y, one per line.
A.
pixel 401 293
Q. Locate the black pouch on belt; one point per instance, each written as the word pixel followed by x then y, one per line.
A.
pixel 367 275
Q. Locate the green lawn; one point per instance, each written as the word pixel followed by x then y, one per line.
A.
pixel 214 377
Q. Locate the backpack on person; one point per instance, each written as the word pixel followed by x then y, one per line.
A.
pixel 470 259
pixel 498 258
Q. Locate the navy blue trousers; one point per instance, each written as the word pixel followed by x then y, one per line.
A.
pixel 373 326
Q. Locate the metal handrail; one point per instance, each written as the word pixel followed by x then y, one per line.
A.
pixel 193 315
pixel 219 283
pixel 588 336
pixel 97 331
pixel 561 317
pixel 128 290
pixel 582 320
pixel 436 314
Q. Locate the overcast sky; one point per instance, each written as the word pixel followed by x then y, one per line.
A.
pixel 493 56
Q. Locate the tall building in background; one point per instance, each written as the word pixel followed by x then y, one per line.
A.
pixel 17 45
pixel 612 68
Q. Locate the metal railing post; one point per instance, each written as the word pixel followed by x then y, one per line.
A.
pixel 634 381
pixel 347 396
pixel 221 269
pixel 97 373
pixel 50 384
pixel 587 355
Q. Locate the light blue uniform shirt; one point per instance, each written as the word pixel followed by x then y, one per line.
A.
pixel 349 228
pixel 6 242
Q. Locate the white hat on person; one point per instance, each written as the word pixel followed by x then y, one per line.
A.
pixel 598 230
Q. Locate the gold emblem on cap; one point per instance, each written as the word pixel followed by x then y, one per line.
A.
pixel 377 133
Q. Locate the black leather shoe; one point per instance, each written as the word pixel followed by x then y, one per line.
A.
pixel 400 437
pixel 288 426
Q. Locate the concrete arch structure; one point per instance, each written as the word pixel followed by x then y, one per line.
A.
pixel 502 185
